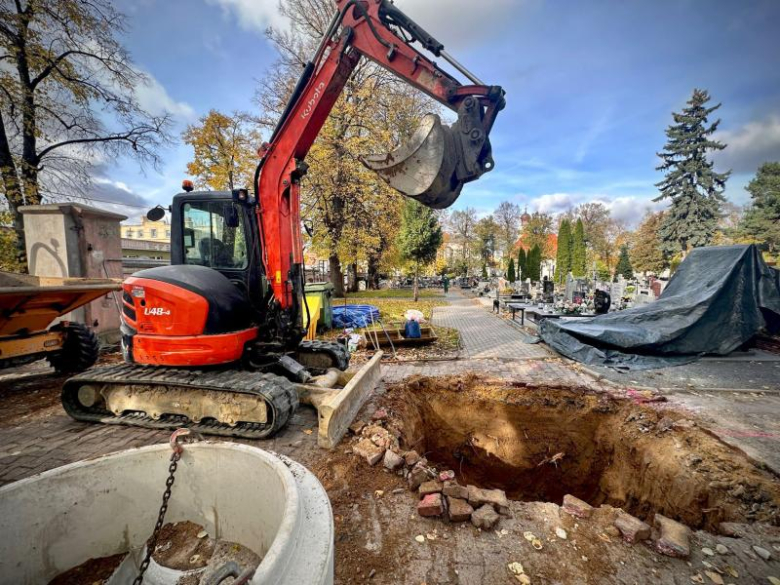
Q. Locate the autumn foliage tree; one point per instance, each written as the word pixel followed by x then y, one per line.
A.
pixel 647 253
pixel 224 150
pixel 67 97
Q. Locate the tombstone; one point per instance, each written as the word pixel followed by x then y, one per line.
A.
pixel 568 294
pixel 548 290
pixel 601 302
pixel 617 289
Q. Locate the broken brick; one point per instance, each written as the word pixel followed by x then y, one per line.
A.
pixel 495 498
pixel 430 487
pixel 576 507
pixel 446 475
pixel 458 510
pixel 632 529
pixel 368 451
pixel 393 460
pixel 411 458
pixel 675 538
pixel 431 505
pixel 379 414
pixel 416 477
pixel 357 426
pixel 455 490
pixel 485 517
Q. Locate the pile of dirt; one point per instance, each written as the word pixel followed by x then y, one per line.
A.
pixel 541 443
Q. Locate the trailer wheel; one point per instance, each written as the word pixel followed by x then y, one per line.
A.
pixel 79 352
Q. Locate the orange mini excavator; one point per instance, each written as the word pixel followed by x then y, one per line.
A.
pixel 214 340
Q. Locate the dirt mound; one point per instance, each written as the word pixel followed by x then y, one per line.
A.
pixel 540 443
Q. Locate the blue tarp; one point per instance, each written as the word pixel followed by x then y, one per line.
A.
pixel 345 316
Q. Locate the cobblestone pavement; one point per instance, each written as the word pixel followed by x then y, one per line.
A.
pixel 485 335
pixel 48 438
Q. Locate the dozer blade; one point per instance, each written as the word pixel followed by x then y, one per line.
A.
pixel 438 160
pixel 336 408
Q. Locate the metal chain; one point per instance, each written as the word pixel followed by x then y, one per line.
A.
pixel 151 544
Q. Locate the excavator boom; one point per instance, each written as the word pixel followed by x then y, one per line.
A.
pixel 432 169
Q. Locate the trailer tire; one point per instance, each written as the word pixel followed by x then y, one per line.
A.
pixel 78 353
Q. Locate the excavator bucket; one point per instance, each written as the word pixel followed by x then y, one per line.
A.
pixel 438 160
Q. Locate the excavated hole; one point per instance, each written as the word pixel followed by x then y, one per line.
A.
pixel 540 443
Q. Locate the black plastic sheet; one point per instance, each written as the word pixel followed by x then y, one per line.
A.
pixel 717 300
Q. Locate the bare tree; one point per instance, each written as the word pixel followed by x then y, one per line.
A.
pixel 463 225
pixel 507 216
pixel 67 97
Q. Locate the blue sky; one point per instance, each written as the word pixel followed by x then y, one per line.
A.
pixel 590 87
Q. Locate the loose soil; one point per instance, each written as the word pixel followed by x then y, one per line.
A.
pixel 178 547
pixel 90 572
pixel 541 443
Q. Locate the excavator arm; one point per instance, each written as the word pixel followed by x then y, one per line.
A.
pixel 432 169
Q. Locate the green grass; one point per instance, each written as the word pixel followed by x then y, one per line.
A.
pixel 392 310
pixel 394 293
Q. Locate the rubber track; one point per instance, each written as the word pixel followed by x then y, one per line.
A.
pixel 279 394
pixel 337 352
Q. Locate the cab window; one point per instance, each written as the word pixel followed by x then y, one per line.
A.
pixel 213 234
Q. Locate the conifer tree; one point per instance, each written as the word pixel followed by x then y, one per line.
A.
pixel 563 258
pixel 522 263
pixel 578 261
pixel 624 264
pixel 761 223
pixel 510 272
pixel 690 183
pixel 534 264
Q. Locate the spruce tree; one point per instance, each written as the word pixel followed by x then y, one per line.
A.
pixel 522 263
pixel 761 223
pixel 578 261
pixel 563 257
pixel 419 238
pixel 624 264
pixel 694 188
pixel 510 272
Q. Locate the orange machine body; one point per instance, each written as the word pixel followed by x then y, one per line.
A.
pixel 165 325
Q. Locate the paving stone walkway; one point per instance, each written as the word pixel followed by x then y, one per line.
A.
pixel 483 334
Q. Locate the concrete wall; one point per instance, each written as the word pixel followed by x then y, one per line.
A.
pixel 77 241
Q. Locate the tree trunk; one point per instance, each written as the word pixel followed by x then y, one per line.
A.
pixel 13 193
pixel 416 281
pixel 336 276
pixel 352 279
pixel 372 281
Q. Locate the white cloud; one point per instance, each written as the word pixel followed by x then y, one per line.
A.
pixel 628 209
pixel 155 99
pixel 554 202
pixel 751 145
pixel 461 23
pixel 254 14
